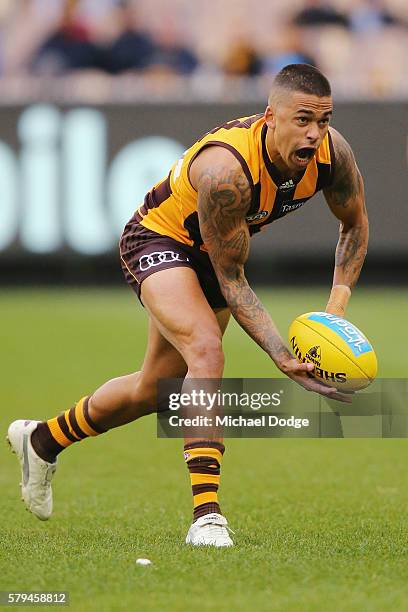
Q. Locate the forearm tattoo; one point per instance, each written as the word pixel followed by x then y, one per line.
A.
pixel 350 253
pixel 224 197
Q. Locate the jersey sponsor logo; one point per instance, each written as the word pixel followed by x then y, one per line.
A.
pixel 157 258
pixel 257 216
pixel 289 206
pixel 287 185
pixel 350 334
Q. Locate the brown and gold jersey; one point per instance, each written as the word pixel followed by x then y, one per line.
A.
pixel 170 208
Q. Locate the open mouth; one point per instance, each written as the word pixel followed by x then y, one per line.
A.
pixel 304 155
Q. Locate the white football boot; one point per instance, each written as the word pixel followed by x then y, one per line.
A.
pixel 210 530
pixel 36 474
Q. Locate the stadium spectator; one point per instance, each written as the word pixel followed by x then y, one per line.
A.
pixel 288 49
pixel 68 47
pixel 320 13
pixel 372 16
pixel 133 47
pixel 242 60
pixel 171 54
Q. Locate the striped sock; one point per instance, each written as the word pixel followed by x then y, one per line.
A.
pixel 52 436
pixel 204 462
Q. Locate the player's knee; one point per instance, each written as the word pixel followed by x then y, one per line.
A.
pixel 205 355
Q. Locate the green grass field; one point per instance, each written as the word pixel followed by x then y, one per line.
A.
pixel 321 525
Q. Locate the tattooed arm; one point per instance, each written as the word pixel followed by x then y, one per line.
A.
pixel 224 197
pixel 345 198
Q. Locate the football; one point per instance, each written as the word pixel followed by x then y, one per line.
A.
pixel 341 354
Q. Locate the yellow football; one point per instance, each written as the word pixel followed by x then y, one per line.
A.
pixel 342 355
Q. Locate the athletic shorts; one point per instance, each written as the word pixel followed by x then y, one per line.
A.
pixel 144 252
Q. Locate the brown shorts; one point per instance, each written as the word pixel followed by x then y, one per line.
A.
pixel 143 252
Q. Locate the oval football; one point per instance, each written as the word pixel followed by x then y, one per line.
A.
pixel 342 355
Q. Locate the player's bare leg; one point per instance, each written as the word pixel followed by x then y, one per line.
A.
pixel 177 304
pixel 127 398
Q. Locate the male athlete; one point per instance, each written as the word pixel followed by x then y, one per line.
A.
pixel 184 252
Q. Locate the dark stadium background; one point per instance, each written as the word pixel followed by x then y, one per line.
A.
pixel 301 244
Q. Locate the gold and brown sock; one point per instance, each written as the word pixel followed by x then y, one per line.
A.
pixel 74 425
pixel 203 460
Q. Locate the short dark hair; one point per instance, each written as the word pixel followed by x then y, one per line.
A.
pixel 303 77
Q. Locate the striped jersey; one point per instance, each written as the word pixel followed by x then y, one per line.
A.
pixel 170 208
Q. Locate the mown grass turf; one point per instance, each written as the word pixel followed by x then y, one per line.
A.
pixel 320 524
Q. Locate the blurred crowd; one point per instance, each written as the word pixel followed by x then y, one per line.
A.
pixel 350 40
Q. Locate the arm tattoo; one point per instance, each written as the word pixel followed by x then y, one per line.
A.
pixel 350 254
pixel 347 183
pixel 346 199
pixel 224 197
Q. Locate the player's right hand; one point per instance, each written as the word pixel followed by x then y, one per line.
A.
pixel 301 373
